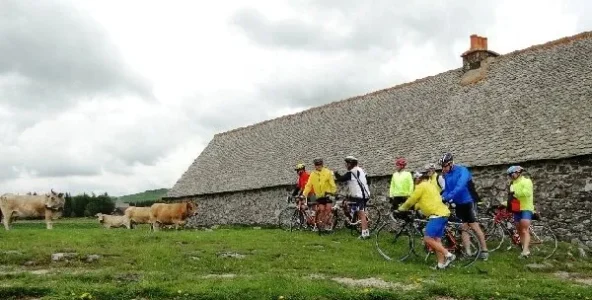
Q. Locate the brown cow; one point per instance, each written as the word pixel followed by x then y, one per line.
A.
pixel 138 215
pixel 171 213
pixel 49 206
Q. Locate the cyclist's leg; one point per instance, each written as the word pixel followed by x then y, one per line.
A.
pixel 433 233
pixel 328 213
pixel 523 226
pixel 361 205
pixel 320 215
pixel 466 213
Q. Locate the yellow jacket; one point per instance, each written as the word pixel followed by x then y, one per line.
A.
pixel 401 184
pixel 523 191
pixel 321 182
pixel 428 200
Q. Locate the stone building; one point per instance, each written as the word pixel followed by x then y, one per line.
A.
pixel 531 107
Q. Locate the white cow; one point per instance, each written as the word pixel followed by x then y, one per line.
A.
pixel 109 221
pixel 49 206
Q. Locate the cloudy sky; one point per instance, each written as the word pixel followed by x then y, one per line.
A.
pixel 121 96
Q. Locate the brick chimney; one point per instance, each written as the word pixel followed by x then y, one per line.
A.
pixel 472 58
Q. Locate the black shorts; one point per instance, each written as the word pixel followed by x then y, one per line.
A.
pixel 357 204
pixel 324 200
pixel 466 212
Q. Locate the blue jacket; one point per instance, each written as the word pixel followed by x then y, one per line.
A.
pixel 456 186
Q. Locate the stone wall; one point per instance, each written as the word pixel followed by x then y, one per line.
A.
pixel 563 196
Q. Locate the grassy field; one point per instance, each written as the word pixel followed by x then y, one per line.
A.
pixel 250 263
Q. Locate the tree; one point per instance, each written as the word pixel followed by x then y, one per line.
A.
pixel 99 204
pixel 67 206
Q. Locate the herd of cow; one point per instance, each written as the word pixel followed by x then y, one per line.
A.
pixel 51 206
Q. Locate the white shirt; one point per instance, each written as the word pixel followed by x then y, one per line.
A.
pixel 354 188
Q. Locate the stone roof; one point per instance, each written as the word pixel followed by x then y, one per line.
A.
pixel 526 105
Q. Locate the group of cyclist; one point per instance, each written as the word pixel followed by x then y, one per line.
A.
pixel 423 190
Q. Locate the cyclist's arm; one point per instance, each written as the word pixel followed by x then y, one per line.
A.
pixel 332 186
pixel 307 187
pixel 523 189
pixel 393 187
pixel 296 190
pixel 412 200
pixel 342 178
pixel 409 183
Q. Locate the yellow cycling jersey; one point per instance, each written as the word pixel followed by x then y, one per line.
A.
pixel 321 182
pixel 427 199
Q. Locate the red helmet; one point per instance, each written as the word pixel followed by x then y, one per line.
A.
pixel 401 162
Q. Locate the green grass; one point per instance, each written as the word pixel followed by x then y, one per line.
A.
pixel 185 265
pixel 148 195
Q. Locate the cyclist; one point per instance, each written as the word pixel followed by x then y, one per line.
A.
pixel 456 190
pixel 522 190
pixel 322 183
pixel 302 179
pixel 401 184
pixel 427 199
pixel 435 178
pixel 358 191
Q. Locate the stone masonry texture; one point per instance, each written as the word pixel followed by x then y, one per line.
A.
pixel 533 104
pixel 563 196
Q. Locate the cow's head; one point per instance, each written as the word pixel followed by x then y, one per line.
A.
pixel 101 217
pixel 191 208
pixel 55 201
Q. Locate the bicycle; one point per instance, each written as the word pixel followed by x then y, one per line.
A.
pixel 351 220
pixel 543 241
pixel 412 231
pixel 291 217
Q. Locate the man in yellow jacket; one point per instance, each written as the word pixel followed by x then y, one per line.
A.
pixel 322 183
pixel 401 184
pixel 521 189
pixel 427 199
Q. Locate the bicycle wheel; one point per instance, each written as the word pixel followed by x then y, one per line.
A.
pixel 494 234
pixel 393 243
pixel 543 242
pixel 285 218
pixel 453 241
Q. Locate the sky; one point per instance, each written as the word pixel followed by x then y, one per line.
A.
pixel 122 96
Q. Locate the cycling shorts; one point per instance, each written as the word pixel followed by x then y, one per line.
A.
pixel 435 227
pixel 466 212
pixel 324 200
pixel 356 204
pixel 523 215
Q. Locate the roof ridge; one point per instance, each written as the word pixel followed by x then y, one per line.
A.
pixel 543 46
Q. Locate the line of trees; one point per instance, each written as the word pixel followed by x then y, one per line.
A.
pixel 86 205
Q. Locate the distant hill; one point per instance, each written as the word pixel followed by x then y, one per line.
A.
pixel 148 195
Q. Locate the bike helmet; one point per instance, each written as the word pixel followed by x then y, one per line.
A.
pixel 401 162
pixel 514 169
pixel 351 159
pixel 299 167
pixel 317 161
pixel 430 166
pixel 445 159
pixel 420 173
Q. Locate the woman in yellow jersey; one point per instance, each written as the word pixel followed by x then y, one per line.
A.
pixel 427 199
pixel 522 190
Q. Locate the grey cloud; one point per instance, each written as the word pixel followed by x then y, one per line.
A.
pixel 62 54
pixel 383 24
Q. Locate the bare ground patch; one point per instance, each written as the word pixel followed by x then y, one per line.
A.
pixel 574 277
pixel 375 283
